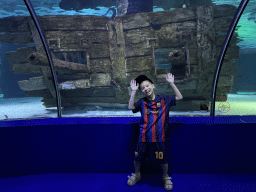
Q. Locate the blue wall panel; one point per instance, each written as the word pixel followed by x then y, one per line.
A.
pixel 107 145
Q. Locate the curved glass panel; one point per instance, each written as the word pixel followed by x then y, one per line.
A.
pixel 98 47
pixel 236 93
pixel 23 83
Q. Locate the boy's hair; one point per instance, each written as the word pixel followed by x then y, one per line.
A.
pixel 142 78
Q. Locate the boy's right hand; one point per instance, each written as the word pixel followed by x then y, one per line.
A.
pixel 133 85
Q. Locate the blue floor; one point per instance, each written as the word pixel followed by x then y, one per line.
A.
pixel 76 182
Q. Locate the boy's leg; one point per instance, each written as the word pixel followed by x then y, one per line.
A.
pixel 168 185
pixel 163 159
pixel 165 169
pixel 137 167
pixel 139 153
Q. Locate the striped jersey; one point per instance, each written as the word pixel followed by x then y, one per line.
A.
pixel 154 117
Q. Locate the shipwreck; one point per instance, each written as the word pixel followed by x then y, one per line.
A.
pixel 96 57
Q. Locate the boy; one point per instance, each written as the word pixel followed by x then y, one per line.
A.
pixel 153 123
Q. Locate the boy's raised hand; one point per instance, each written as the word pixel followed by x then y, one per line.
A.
pixel 170 78
pixel 133 85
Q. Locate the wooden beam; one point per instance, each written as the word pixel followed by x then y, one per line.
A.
pixel 20 56
pixel 17 38
pixel 25 68
pixel 117 56
pixel 39 59
pixel 206 46
pixel 141 20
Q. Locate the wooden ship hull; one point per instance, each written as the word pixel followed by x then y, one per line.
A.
pixel 96 57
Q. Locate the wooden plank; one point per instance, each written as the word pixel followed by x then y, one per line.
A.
pixel 61 66
pixel 224 10
pixel 96 80
pixel 55 23
pixel 141 20
pixel 206 48
pixel 193 56
pixel 139 64
pixel 163 71
pixel 25 68
pixel 117 56
pixel 46 71
pixel 169 56
pixel 228 68
pixel 20 56
pixel 170 35
pixel 89 92
pixel 34 83
pixel 231 53
pixel 136 36
pixel 69 77
pixel 223 90
pixel 165 38
pixel 73 22
pixel 18 38
pixel 75 39
pixel 36 37
pixel 132 51
pixel 14 24
pixel 206 37
pixel 222 24
pixel 84 22
pixel 132 75
pixel 99 51
pixel 194 71
pixel 221 97
pixel 100 66
pixel 100 79
pixel 221 38
pixel 165 87
pixel 161 78
pixel 175 34
pixel 225 81
pixel 75 84
pixel 136 50
pixel 79 57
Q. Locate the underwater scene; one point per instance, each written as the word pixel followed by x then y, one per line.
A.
pixel 99 46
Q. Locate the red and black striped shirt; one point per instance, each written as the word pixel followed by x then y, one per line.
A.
pixel 154 117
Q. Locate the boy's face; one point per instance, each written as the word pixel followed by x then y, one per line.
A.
pixel 147 88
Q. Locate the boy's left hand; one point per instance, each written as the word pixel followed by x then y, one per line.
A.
pixel 170 78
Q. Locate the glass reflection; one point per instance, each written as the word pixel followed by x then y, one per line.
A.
pixel 98 47
pixel 237 84
pixel 24 85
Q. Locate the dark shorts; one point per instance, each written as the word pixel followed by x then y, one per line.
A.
pixel 157 150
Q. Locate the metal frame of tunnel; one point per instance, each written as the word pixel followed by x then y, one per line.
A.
pixel 233 25
pixel 55 80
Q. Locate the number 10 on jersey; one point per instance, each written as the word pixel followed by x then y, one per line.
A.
pixel 159 155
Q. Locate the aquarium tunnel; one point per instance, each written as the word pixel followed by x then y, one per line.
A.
pixel 66 73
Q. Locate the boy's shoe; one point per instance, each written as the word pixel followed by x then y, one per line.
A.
pixel 133 179
pixel 168 185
